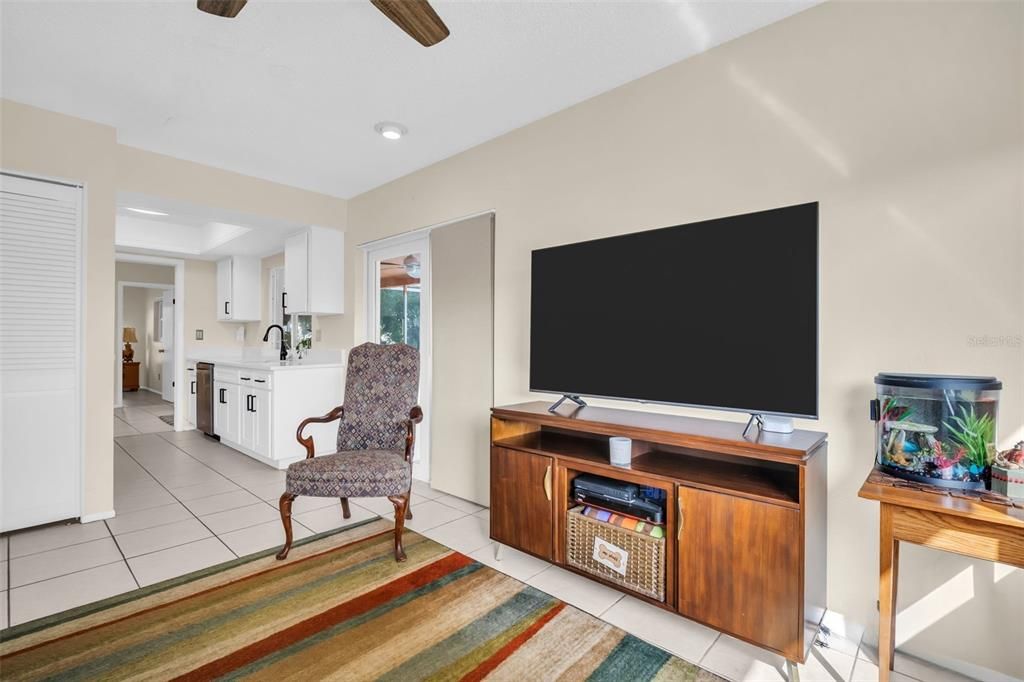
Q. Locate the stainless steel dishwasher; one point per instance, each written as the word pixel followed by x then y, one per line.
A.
pixel 204 398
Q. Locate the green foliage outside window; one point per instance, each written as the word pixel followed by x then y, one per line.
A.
pixel 394 328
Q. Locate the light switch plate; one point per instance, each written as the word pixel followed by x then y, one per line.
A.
pixel 199 335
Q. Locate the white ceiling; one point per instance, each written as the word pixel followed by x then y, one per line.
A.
pixel 193 231
pixel 290 91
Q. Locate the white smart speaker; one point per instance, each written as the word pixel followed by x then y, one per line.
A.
pixel 621 451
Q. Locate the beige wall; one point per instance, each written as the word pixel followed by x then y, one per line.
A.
pixel 134 315
pixel 462 389
pixel 905 121
pixel 44 143
pixel 143 272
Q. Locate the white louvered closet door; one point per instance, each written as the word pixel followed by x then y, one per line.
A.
pixel 40 352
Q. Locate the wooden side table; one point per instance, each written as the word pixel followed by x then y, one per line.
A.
pixel 977 524
pixel 130 376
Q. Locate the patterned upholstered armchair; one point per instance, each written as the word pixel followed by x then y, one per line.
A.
pixel 376 433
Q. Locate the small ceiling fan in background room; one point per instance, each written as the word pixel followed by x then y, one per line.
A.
pixel 416 17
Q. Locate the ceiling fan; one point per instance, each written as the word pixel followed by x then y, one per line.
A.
pixel 415 17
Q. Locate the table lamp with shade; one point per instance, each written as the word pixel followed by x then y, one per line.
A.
pixel 128 336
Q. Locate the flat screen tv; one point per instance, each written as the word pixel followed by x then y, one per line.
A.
pixel 720 314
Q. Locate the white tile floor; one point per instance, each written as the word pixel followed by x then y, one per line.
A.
pixel 185 502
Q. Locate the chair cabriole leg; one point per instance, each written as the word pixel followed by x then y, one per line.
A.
pixel 285 505
pixel 401 503
pixel 344 508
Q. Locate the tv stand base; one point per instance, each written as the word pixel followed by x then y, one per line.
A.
pixel 770 423
pixel 574 398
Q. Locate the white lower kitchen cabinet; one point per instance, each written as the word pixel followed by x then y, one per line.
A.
pixel 226 410
pixel 256 421
pixel 258 407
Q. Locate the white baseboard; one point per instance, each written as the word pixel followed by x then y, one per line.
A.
pixel 152 390
pixel 98 516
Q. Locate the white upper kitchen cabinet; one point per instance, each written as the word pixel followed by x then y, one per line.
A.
pixel 314 272
pixel 238 289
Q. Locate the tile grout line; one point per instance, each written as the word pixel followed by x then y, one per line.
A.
pixel 707 651
pixel 65 575
pixel 118 545
pixel 176 497
pixel 52 549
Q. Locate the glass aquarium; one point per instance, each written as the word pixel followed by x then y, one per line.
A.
pixel 936 429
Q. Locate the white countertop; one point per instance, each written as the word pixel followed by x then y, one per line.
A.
pixel 230 358
pixel 275 365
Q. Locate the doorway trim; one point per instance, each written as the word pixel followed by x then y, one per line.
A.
pixel 179 326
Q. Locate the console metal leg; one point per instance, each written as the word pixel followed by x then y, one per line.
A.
pixel 574 398
pixel 792 672
pixel 499 549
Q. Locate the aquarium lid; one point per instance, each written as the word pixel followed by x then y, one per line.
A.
pixel 943 382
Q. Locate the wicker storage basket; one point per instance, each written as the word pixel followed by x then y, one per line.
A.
pixel 643 555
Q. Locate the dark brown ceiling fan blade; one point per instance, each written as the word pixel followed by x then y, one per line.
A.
pixel 222 8
pixel 415 17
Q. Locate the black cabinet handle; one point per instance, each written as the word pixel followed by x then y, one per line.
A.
pixel 248 403
pixel 261 381
pixel 193 388
pixel 252 401
pixel 222 399
pixel 284 299
pixel 225 307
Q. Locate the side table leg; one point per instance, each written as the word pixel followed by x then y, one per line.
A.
pixel 792 672
pixel 889 551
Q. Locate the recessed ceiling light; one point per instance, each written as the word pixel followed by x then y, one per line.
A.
pixel 145 211
pixel 391 130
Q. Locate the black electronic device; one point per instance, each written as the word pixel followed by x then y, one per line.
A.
pixel 605 488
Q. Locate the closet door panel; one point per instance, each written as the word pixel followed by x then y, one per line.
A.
pixel 40 343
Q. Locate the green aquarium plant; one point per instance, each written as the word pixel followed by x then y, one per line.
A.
pixel 976 435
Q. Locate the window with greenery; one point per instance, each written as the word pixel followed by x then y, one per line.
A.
pixel 400 316
pixel 298 329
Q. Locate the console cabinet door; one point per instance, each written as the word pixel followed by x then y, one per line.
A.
pixel 522 501
pixel 739 567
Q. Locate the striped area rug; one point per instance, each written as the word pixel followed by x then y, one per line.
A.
pixel 338 608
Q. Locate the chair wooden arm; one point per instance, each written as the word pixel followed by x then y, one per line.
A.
pixel 415 417
pixel 307 441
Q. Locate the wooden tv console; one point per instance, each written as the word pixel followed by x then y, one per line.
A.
pixel 746 516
